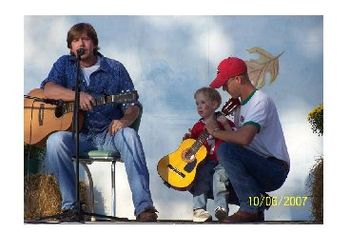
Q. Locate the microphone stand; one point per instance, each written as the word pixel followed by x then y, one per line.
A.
pixel 75 132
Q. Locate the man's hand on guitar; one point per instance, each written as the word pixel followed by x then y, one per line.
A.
pixel 223 120
pixel 211 127
pixel 116 125
pixel 87 102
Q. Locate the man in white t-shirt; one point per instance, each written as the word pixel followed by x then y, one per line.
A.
pixel 254 156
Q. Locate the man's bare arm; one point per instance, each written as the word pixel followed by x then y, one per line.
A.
pixel 57 92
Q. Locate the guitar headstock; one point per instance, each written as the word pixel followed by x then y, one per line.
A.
pixel 126 97
pixel 230 106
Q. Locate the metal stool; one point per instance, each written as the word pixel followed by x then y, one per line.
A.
pixel 101 156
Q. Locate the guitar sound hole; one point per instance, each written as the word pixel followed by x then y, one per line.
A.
pixel 190 166
pixel 188 156
pixel 59 111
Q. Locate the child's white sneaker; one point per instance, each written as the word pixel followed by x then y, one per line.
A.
pixel 201 215
pixel 220 213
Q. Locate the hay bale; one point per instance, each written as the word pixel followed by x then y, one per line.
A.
pixel 42 196
pixel 316 188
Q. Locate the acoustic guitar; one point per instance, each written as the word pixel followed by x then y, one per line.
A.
pixel 178 169
pixel 45 116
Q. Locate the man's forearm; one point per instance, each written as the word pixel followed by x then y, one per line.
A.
pixel 55 91
pixel 242 136
pixel 130 114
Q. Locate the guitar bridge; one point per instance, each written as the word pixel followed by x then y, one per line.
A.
pixel 176 170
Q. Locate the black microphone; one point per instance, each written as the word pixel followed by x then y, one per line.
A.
pixel 80 52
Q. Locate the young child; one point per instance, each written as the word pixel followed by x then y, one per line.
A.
pixel 211 176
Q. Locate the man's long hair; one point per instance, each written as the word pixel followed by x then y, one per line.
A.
pixel 78 29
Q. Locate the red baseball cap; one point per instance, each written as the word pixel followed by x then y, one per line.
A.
pixel 228 68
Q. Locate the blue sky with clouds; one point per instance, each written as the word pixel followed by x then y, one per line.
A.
pixel 169 57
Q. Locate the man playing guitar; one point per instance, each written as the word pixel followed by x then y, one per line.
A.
pixel 105 127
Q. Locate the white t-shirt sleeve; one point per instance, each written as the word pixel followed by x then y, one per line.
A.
pixel 257 115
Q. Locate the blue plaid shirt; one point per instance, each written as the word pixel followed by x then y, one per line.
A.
pixel 110 79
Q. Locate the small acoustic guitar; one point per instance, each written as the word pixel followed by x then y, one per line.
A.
pixel 178 169
pixel 45 116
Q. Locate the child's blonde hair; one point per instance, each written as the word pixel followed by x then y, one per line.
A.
pixel 210 93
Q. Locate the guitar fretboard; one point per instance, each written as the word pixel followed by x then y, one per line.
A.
pixel 128 97
pixel 227 109
pixel 198 143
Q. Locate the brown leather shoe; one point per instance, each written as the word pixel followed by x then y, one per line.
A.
pixel 261 216
pixel 148 215
pixel 242 217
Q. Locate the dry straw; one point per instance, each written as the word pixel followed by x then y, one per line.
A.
pixel 42 196
pixel 316 188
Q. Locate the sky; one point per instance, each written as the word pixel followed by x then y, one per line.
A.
pixel 168 58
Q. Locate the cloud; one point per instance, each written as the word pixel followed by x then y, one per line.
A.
pixel 208 38
pixel 52 40
pixel 213 44
pixel 129 57
pixel 205 39
pixel 43 44
pixel 309 40
pixel 313 44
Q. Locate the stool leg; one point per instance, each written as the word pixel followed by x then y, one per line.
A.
pixel 91 189
pixel 113 200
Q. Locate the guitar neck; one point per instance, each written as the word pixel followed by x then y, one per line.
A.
pixel 227 109
pixel 203 136
pixel 199 142
pixel 120 98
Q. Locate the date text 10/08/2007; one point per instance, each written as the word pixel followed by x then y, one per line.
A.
pixel 278 201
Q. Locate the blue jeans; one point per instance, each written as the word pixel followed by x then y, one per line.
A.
pixel 60 150
pixel 220 184
pixel 211 180
pixel 250 174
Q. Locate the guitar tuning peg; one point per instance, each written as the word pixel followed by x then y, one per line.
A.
pixel 122 91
